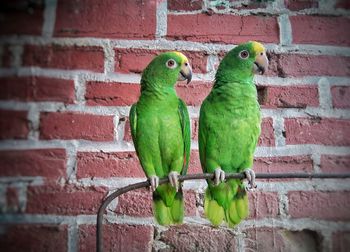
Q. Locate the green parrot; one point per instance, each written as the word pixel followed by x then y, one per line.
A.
pixel 160 129
pixel 229 128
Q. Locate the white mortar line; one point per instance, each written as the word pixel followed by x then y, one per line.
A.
pixel 71 165
pixel 283 204
pixel 33 117
pixel 49 18
pixel 316 160
pixel 3 198
pixel 325 95
pixel 73 237
pixel 16 55
pixel 80 89
pixel 285 30
pixel 161 18
pixel 278 128
pixel 118 135
pixel 109 57
pixel 162 44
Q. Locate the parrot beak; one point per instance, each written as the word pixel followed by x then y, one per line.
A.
pixel 185 72
pixel 261 63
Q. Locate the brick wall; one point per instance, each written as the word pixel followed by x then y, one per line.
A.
pixel 70 71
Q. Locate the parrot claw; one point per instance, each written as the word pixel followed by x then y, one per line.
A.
pixel 154 180
pixel 219 176
pixel 250 175
pixel 174 179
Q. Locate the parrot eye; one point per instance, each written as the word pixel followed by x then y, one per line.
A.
pixel 171 64
pixel 244 54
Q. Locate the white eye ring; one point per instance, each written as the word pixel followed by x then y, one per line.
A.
pixel 244 54
pixel 171 64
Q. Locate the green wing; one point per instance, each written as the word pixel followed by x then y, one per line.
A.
pixel 186 134
pixel 133 123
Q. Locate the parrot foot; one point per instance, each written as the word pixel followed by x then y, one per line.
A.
pixel 250 175
pixel 174 179
pixel 219 176
pixel 154 180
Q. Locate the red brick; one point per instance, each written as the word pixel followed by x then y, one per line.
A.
pixel 107 19
pixel 65 200
pixel 17 14
pixel 262 204
pixel 284 65
pixel 233 29
pixel 319 205
pixel 33 237
pixel 5 57
pixel 341 96
pixel 76 126
pixel 344 4
pixel 127 130
pixel 334 163
pixel 193 93
pixel 195 128
pixel 178 5
pixel 267 137
pixel 111 94
pixel 37 89
pixel 136 60
pixel 195 164
pixel 317 131
pixel 13 124
pixel 198 238
pixel 48 163
pixel 106 165
pixel 283 164
pixel 12 200
pixel 341 241
pixel 117 237
pixel 277 239
pixel 288 97
pixel 295 5
pixel 320 30
pixel 64 57
pixel 135 203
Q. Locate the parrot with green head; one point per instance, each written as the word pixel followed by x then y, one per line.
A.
pixel 160 129
pixel 229 128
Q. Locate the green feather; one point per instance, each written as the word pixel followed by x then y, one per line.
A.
pixel 160 129
pixel 229 127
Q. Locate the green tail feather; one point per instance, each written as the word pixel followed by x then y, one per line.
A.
pixel 232 209
pixel 168 208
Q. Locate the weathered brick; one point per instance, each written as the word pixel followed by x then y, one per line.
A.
pixel 117 237
pixel 64 200
pixel 267 137
pixel 13 124
pixel 340 96
pixel 284 65
pixel 111 94
pixel 17 14
pixel 343 4
pixel 341 241
pixel 195 164
pixel 317 131
pixel 34 88
pixel 194 93
pixel 198 238
pixel 262 204
pixel 319 205
pixel 12 200
pixel 288 97
pixel 33 237
pixel 107 19
pixel 320 30
pixel 233 29
pixel 334 163
pixel 48 163
pixel 277 239
pixel 178 5
pixel 64 57
pixel 195 128
pixel 111 164
pixel 135 60
pixel 283 164
pixel 76 126
pixel 295 5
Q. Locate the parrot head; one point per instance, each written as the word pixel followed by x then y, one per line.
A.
pixel 166 69
pixel 245 60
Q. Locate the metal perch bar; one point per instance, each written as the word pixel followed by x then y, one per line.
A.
pixel 105 203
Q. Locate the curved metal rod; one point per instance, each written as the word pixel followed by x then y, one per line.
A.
pixel 105 203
